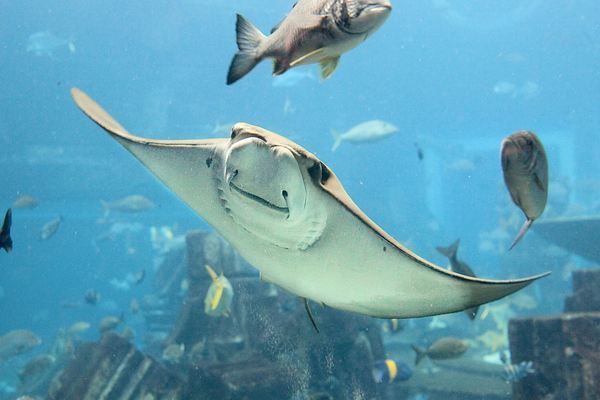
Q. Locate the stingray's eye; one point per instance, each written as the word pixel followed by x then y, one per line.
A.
pixel 284 193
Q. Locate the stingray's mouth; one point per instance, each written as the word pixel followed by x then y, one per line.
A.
pixel 260 200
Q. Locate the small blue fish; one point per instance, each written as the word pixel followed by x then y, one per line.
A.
pixel 387 371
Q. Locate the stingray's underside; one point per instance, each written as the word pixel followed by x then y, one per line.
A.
pixel 289 216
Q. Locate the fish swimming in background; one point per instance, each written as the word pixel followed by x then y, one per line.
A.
pixel 134 203
pixel 78 328
pixel 387 371
pixel 420 154
pixel 515 372
pixel 442 349
pixel 287 214
pixel 458 266
pixel 5 240
pixel 110 322
pixel 315 31
pixel 525 169
pixel 173 353
pixel 17 342
pixel 50 228
pixel 36 369
pixel 219 295
pixel 46 43
pixel 369 131
pixel 91 297
pixel 26 202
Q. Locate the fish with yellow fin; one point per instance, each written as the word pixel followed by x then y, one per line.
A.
pixel 219 295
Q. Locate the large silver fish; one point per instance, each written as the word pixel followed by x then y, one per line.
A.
pixel 288 215
pixel 315 31
pixel 525 169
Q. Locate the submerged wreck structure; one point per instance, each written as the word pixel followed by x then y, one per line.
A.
pixel 565 349
pixel 266 348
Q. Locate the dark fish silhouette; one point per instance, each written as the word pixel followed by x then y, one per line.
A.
pixel 525 169
pixel 459 266
pixel 5 240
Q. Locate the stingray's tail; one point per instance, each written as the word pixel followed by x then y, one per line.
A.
pixel 337 140
pixel 420 354
pixel 521 233
pixel 451 250
pixel 248 39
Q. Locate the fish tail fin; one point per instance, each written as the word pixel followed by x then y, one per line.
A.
pixel 521 233
pixel 337 140
pixel 420 354
pixel 451 250
pixel 7 242
pixel 248 39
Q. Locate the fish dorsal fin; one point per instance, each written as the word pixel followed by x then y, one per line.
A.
pixel 329 65
pixel 218 294
pixel 273 29
pixel 310 58
pixel 212 273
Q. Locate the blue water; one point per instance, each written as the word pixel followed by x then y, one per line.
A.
pixel 160 69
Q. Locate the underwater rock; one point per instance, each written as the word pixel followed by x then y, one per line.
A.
pixel 114 369
pixel 565 351
pixel 586 291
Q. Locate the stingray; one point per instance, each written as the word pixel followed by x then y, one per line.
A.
pixel 288 215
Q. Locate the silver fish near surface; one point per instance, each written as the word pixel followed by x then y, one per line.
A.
pixel 288 215
pixel 46 43
pixel 365 132
pixel 525 169
pixel 315 31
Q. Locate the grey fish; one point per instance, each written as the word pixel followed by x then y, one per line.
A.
pixel 368 131
pixel 110 322
pixel 442 349
pixel 315 31
pixel 134 203
pixel 288 215
pixel 36 368
pixel 525 169
pixel 50 228
pixel 5 240
pixel 460 267
pixel 17 342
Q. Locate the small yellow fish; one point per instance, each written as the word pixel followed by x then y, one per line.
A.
pixel 219 295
